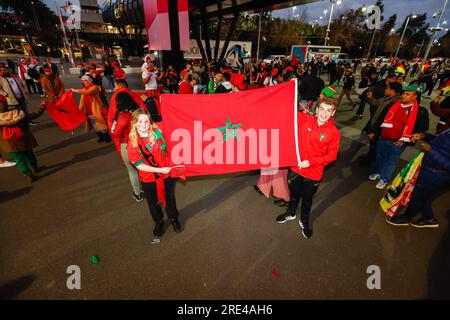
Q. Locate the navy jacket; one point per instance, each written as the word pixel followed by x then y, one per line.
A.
pixel 438 159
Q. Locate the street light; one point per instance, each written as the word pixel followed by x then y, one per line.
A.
pixel 403 34
pixel 329 21
pixel 434 32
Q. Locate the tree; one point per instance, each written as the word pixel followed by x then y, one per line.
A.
pixel 415 33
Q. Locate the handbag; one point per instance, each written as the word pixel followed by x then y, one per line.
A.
pixel 12 133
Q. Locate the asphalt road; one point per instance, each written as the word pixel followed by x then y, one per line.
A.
pixel 230 247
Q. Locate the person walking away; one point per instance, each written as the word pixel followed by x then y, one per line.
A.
pixel 349 82
pixel 120 131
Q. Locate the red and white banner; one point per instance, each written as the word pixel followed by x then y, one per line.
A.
pixel 158 24
pixel 232 132
pixel 183 22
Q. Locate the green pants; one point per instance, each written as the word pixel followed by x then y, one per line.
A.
pixel 24 161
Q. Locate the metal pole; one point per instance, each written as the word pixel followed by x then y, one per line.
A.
pixel 420 48
pixel 68 48
pixel 329 23
pixel 425 57
pixel 259 36
pixel 403 34
pixel 38 26
pixel 371 43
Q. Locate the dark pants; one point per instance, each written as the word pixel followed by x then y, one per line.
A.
pixel 39 88
pixel 30 85
pixel 152 199
pixel 428 182
pixel 362 105
pixel 303 189
pixel 173 88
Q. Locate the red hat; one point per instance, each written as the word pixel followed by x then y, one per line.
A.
pixel 92 63
pixel 289 68
pixel 47 69
pixel 114 63
pixel 183 73
pixel 274 72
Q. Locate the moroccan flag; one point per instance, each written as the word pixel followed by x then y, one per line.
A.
pixel 65 112
pixel 232 132
pixel 238 80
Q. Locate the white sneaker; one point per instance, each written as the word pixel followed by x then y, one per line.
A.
pixel 381 184
pixel 7 164
pixel 374 176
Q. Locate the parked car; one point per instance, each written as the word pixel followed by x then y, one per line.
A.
pixel 275 58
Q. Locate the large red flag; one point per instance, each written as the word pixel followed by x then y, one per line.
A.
pixel 65 112
pixel 232 132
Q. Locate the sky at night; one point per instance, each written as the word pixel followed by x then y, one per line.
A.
pixel 314 10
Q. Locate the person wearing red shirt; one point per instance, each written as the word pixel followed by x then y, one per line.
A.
pixel 318 140
pixel 186 86
pixel 120 130
pixel 119 73
pixel 147 151
pixel 397 128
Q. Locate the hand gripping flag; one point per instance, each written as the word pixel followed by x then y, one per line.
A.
pixel 65 112
pixel 232 132
pixel 400 191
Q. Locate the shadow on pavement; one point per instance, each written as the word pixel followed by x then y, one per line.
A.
pixel 78 158
pixel 13 288
pixel 9 195
pixel 347 185
pixel 65 143
pixel 212 199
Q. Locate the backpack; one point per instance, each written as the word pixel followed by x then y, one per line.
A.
pixel 33 73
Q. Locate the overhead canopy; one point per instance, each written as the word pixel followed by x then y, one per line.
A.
pixel 131 11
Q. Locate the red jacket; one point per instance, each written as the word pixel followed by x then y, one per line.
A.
pixel 399 123
pixel 185 87
pixel 318 144
pixel 122 129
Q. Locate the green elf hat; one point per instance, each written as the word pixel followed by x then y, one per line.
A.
pixel 330 91
pixel 412 87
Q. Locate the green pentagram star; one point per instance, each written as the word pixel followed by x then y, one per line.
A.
pixel 229 126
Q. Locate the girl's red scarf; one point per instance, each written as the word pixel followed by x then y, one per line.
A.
pixel 155 157
pixel 409 127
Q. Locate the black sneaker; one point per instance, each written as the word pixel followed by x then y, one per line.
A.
pixel 282 218
pixel 426 223
pixel 158 230
pixel 138 197
pixel 176 225
pixel 399 221
pixel 306 230
pixel 281 203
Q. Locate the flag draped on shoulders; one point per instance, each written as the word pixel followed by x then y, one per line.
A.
pixel 65 112
pixel 232 132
